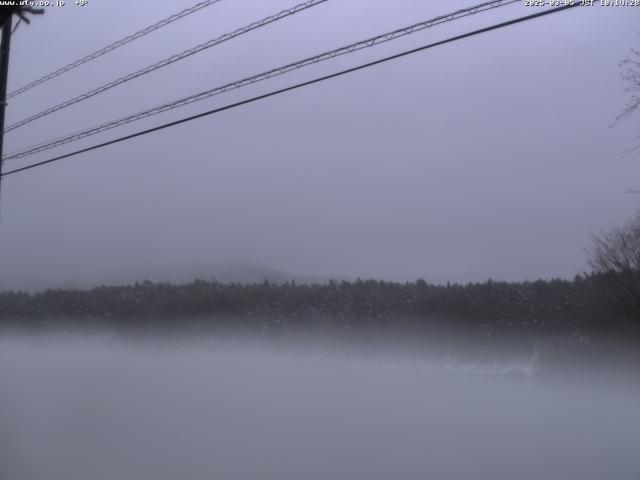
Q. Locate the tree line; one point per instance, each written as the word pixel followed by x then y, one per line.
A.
pixel 492 308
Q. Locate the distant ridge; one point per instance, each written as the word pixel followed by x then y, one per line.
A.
pixel 246 272
pixel 228 272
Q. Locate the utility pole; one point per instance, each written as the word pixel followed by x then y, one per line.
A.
pixel 4 71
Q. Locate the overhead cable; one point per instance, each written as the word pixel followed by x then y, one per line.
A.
pixel 113 46
pixel 168 61
pixel 293 87
pixel 368 43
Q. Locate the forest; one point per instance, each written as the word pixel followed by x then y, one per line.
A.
pixel 580 307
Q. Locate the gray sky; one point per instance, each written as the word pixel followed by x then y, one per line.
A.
pixel 488 157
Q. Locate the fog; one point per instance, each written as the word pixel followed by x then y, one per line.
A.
pixel 489 157
pixel 99 407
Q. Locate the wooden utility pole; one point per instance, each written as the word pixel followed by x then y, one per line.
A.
pixel 4 71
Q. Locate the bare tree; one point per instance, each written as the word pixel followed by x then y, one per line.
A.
pixel 630 74
pixel 15 8
pixel 615 259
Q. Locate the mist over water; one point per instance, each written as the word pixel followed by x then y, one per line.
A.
pixel 379 275
pixel 91 407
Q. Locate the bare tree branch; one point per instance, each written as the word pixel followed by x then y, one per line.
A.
pixel 615 259
pixel 20 10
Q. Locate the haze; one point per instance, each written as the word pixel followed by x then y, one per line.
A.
pixel 95 407
pixel 490 157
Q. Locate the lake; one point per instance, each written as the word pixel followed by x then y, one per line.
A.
pixel 99 407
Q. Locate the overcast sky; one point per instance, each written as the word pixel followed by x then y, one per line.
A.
pixel 487 157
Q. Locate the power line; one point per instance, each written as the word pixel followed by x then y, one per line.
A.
pixel 114 45
pixel 294 87
pixel 370 42
pixel 168 61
